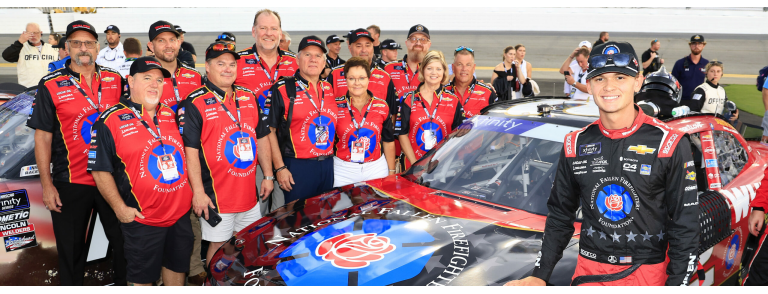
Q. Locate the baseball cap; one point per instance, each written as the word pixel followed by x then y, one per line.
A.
pixel 160 27
pixel 145 64
pixel 179 29
pixel 218 48
pixel 390 44
pixel 359 33
pixel 81 25
pixel 609 56
pixel 418 29
pixel 226 36
pixel 585 43
pixel 332 39
pixel 113 28
pixel 697 38
pixel 312 41
pixel 61 43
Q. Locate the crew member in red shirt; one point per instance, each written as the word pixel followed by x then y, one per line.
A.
pixel 404 72
pixel 363 125
pixel 758 266
pixel 473 95
pixel 165 43
pixel 361 45
pixel 67 104
pixel 137 159
pixel 222 129
pixel 429 114
pixel 302 118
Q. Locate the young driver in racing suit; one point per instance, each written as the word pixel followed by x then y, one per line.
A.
pixel 634 178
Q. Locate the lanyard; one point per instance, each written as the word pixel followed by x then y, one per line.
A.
pixel 175 89
pixel 405 72
pixel 264 68
pixel 322 100
pixel 157 135
pixel 232 117
pixel 95 106
pixel 434 112
pixel 352 114
pixel 471 90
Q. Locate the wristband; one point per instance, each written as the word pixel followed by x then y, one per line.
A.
pixel 270 178
pixel 392 170
pixel 281 168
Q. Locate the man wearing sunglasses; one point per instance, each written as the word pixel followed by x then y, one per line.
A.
pixel 404 73
pixel 228 38
pixel 640 205
pixel 32 55
pixel 473 95
pixel 690 71
pixel 112 55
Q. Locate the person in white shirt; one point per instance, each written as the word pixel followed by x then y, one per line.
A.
pixel 112 55
pixel 32 55
pixel 575 76
pixel 573 66
pixel 132 50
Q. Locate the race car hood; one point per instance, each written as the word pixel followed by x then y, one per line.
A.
pixel 358 235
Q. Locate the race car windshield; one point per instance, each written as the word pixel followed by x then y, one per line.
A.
pixel 17 141
pixel 506 161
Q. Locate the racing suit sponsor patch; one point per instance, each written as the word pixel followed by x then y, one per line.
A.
pixel 590 149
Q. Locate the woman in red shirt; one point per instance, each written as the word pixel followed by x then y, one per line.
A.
pixel 362 127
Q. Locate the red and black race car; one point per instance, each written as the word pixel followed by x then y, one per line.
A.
pixel 472 211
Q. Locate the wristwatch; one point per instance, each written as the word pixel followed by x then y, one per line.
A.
pixel 269 178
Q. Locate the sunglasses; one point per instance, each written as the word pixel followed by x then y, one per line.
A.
pixel 464 48
pixel 716 62
pixel 618 59
pixel 224 37
pixel 221 46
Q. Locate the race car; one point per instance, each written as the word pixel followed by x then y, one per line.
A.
pixel 472 211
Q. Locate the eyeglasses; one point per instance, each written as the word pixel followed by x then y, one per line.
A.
pixel 77 44
pixel 418 40
pixel 356 80
pixel 221 46
pixel 465 48
pixel 618 59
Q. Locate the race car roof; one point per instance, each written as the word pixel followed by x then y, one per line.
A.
pixel 567 112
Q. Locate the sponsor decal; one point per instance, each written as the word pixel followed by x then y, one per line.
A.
pixel 710 150
pixel 668 145
pixel 209 101
pixel 580 162
pixel 126 116
pixel 641 149
pixel 691 175
pixel 630 167
pixel 626 259
pixel 107 79
pixel 16 228
pixel 690 188
pixel 21 241
pixel 92 154
pixel 692 127
pixel 349 251
pixel 29 171
pixel 598 161
pixel 715 186
pixel 580 172
pixel 645 169
pixel 706 138
pixel 614 202
pixel 15 216
pixel 587 254
pixel 711 162
pixel 14 200
pixel 242 98
pixel 590 149
pixel 189 75
pixel 166 113
pixel 598 169
pixel 508 125
pixel 612 259
pixel 688 164
pixel 740 197
pixel 612 49
pixel 622 158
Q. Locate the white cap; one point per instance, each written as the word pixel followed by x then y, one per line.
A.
pixel 585 43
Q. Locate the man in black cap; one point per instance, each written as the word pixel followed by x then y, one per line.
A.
pixel 388 52
pixel 228 38
pixel 639 199
pixel 112 56
pixel 67 103
pixel 132 139
pixel 185 46
pixel 63 55
pixel 332 59
pixel 404 73
pixel 690 70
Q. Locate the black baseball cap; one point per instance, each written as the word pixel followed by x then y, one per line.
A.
pixel 179 29
pixel 226 36
pixel 697 39
pixel 333 39
pixel 359 33
pixel 61 43
pixel 113 28
pixel 145 64
pixel 312 41
pixel 211 54
pixel 160 27
pixel 418 29
pixel 390 44
pixel 612 48
pixel 81 25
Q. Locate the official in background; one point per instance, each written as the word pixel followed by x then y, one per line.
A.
pixel 388 52
pixel 710 96
pixel 63 55
pixel 184 79
pixel 112 55
pixel 690 71
pixel 473 95
pixel 31 54
pixel 66 106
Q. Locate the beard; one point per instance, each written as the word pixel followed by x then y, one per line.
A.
pixel 696 51
pixel 153 101
pixel 171 59
pixel 79 62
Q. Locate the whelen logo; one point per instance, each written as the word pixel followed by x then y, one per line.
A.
pixel 153 63
pixel 81 26
pixel 314 41
pixel 363 33
pixel 157 28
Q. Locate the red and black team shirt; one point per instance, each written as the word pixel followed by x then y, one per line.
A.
pixel 298 122
pixel 404 78
pixel 205 125
pixel 61 109
pixel 476 97
pixel 412 120
pixel 377 128
pixel 123 146
pixel 252 72
pixel 187 80
pixel 380 84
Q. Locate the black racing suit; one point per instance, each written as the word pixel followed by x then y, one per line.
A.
pixel 637 190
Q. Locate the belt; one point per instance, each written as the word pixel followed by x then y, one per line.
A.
pixel 320 158
pixel 622 260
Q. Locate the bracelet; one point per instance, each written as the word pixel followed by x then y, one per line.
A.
pixel 270 178
pixel 391 170
pixel 281 168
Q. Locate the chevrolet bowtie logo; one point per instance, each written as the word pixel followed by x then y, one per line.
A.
pixel 641 149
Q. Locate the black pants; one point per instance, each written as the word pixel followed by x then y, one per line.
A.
pixel 312 177
pixel 758 270
pixel 70 226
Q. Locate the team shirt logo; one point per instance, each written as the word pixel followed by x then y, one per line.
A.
pixel 364 144
pixel 239 150
pixel 641 149
pixel 85 128
pixel 614 202
pixel 160 161
pixel 319 133
pixel 427 136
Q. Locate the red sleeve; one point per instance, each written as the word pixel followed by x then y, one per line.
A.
pixel 761 199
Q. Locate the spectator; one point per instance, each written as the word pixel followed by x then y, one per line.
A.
pixel 576 77
pixel 228 187
pixel 603 38
pixel 690 70
pixel 358 151
pixel 388 52
pixel 507 76
pixel 525 67
pixel 132 50
pixel 376 34
pixel 63 55
pixel 574 66
pixel 651 60
pixel 69 191
pixel 149 51
pixel 332 59
pixel 112 55
pixel 32 55
pixel 285 42
pixel 422 126
pixel 184 78
pixel 54 39
pixel 228 38
pixel 473 95
pixel 152 210
pixel 404 73
pixel 185 46
pixel 710 96
pixel 302 142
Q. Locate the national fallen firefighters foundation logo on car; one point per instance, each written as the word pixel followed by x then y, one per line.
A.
pixel 614 202
pixel 351 251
